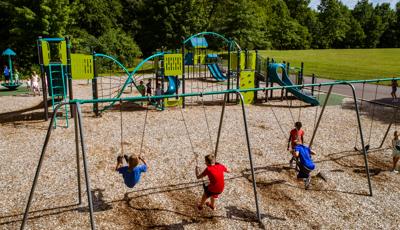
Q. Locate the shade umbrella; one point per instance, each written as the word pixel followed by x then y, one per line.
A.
pixel 9 52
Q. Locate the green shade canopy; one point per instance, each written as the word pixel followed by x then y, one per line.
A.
pixel 8 52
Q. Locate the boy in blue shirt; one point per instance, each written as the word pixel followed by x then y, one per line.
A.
pixel 305 163
pixel 133 171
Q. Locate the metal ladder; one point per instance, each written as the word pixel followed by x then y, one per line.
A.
pixel 58 92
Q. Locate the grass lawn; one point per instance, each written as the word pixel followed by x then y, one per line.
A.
pixel 342 64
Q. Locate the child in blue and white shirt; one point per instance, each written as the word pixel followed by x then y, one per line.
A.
pixel 133 171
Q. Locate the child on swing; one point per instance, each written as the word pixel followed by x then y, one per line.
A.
pixel 302 155
pixel 296 136
pixel 215 172
pixel 133 171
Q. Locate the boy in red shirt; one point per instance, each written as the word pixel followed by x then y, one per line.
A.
pixel 296 137
pixel 215 172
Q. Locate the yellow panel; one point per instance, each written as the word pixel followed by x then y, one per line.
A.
pixel 247 81
pixel 234 60
pixel 251 61
pixel 199 59
pixel 62 50
pixel 173 64
pixel 45 53
pixel 82 66
pixel 172 102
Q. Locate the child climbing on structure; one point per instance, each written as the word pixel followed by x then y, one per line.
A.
pixel 215 172
pixel 296 136
pixel 133 171
pixel 305 164
pixel 395 151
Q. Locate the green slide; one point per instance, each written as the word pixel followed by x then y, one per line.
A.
pixel 285 81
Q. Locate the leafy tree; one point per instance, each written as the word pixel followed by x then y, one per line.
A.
pixel 370 21
pixel 27 20
pixel 334 23
pixel 388 16
pixel 239 20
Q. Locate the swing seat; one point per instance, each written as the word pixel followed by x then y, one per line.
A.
pixel 11 86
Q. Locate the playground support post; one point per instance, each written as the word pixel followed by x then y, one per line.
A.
pixel 257 80
pixel 248 146
pixel 44 86
pixel 301 73
pixel 283 89
pixel 95 91
pixel 288 73
pixel 68 73
pixel 183 71
pixel 229 66
pixel 267 81
pixel 238 72
pixel 359 129
pixel 312 82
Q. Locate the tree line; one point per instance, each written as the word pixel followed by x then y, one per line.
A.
pixel 130 28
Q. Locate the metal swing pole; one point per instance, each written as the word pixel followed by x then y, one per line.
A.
pixel 359 129
pixel 240 96
pixel 85 166
pixel 46 142
pixel 250 156
pixel 361 136
pixel 320 116
pixel 74 111
pixel 220 123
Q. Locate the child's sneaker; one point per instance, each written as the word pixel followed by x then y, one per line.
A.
pixel 210 206
pixel 291 165
pixel 395 171
pixel 307 182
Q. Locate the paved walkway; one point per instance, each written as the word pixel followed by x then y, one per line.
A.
pixel 383 92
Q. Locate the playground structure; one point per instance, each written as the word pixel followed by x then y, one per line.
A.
pixel 206 62
pixel 12 84
pixel 58 67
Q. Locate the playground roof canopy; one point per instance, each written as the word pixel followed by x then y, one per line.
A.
pixel 199 42
pixel 8 52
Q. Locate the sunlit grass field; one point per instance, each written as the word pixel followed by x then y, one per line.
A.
pixel 342 64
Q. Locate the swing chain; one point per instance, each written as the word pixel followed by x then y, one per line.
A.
pixel 143 132
pixel 122 129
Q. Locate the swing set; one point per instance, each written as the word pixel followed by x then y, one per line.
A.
pixel 80 143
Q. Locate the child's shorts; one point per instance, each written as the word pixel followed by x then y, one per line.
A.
pixel 209 193
pixel 304 172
